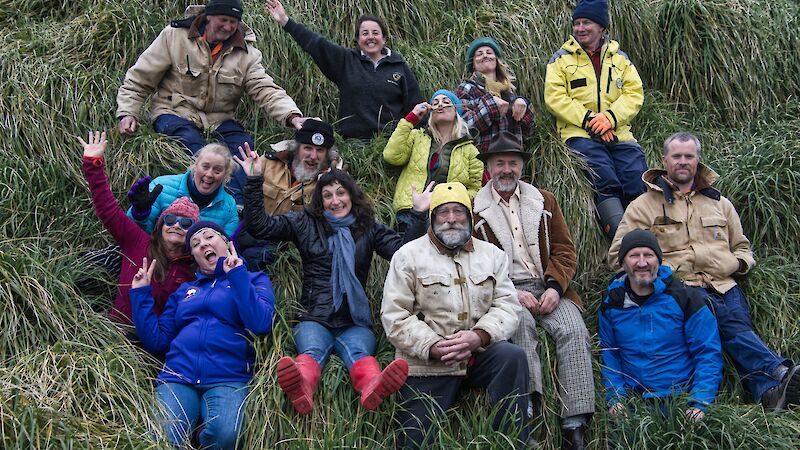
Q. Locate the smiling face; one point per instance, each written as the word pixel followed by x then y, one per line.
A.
pixel 641 266
pixel 308 162
pixel 371 39
pixel 681 162
pixel 505 170
pixel 220 28
pixel 336 200
pixel 443 110
pixel 588 33
pixel 207 245
pixel 209 172
pixel 485 60
pixel 174 236
pixel 451 224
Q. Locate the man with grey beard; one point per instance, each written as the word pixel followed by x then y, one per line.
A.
pixel 526 223
pixel 448 307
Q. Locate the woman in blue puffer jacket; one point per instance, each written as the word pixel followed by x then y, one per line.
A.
pixel 203 330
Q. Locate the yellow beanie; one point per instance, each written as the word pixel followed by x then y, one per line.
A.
pixel 448 193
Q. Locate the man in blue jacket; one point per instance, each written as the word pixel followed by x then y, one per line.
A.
pixel 658 337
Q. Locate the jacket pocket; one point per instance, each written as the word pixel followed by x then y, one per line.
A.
pixel 715 228
pixel 229 87
pixel 671 236
pixel 191 79
pixel 481 293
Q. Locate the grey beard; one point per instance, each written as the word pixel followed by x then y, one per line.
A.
pixel 453 236
pixel 504 185
pixel 301 174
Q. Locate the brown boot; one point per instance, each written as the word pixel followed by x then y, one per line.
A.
pixel 374 385
pixel 298 379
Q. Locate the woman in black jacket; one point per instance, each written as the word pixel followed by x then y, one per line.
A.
pixel 336 236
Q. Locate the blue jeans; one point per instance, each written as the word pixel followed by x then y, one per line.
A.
pixel 220 407
pixel 318 341
pixel 616 168
pixel 754 361
pixel 230 132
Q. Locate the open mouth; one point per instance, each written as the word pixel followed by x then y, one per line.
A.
pixel 210 256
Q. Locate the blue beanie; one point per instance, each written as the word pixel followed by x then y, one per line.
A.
pixel 201 225
pixel 594 10
pixel 456 101
pixel 478 43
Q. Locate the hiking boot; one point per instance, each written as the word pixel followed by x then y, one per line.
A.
pixel 785 393
pixel 573 438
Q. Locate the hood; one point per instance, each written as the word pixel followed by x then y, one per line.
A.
pixel 704 178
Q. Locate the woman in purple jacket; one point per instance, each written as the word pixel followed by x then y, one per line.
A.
pixel 165 244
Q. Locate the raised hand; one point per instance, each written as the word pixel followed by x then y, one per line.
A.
pixel 251 163
pixel 96 145
pixel 518 109
pixel 275 9
pixel 144 275
pixel 421 109
pixel 422 202
pixel 142 198
pixel 127 125
pixel 232 261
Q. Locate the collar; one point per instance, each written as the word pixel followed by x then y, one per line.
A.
pixel 468 247
pixel 198 27
pixel 385 51
pixel 498 199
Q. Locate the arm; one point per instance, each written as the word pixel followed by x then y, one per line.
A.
pixel 268 95
pixel 611 368
pixel 563 260
pixel 232 222
pixel 155 332
pixel 481 112
pixel 402 326
pixel 143 77
pixel 260 224
pixel 702 338
pixel 474 172
pixel 329 57
pixel 559 102
pixel 502 318
pixel 739 244
pixel 254 298
pixel 522 113
pixel 401 144
pixel 622 111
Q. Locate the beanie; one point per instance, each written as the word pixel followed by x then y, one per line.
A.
pixel 594 10
pixel 639 238
pixel 231 8
pixel 450 193
pixel 182 207
pixel 452 96
pixel 478 43
pixel 201 225
pixel 315 132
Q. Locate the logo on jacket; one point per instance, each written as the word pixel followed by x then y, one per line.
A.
pixel 189 294
pixel 395 78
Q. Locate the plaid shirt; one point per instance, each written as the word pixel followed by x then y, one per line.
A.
pixel 483 114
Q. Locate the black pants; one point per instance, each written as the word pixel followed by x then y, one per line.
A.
pixel 502 370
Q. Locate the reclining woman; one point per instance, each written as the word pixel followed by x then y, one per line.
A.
pixel 336 236
pixel 376 86
pixel 204 331
pixel 443 153
pixel 164 244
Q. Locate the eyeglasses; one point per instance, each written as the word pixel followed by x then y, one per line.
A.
pixel 183 222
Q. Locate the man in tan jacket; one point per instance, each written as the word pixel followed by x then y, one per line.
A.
pixel 448 307
pixel 704 244
pixel 197 70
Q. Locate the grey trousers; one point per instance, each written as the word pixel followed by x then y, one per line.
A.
pixel 573 351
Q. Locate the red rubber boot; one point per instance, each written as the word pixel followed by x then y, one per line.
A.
pixel 374 385
pixel 298 379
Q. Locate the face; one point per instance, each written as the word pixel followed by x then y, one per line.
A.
pixel 588 33
pixel 370 38
pixel 220 28
pixel 443 110
pixel 336 200
pixel 641 265
pixel 681 162
pixel 207 246
pixel 485 60
pixel 451 224
pixel 174 235
pixel 505 170
pixel 209 172
pixel 308 162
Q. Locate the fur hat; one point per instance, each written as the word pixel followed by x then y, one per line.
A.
pixel 181 207
pixel 594 10
pixel 478 43
pixel 232 8
pixel 639 238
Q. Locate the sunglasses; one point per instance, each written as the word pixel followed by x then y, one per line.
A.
pixel 183 222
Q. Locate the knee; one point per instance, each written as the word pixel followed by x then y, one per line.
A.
pixel 220 434
pixel 513 357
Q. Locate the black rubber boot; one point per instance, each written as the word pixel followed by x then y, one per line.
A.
pixel 610 212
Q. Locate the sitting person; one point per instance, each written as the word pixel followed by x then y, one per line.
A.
pixel 376 86
pixel 658 338
pixel 203 183
pixel 336 236
pixel 442 153
pixel 448 307
pixel 164 244
pixel 204 331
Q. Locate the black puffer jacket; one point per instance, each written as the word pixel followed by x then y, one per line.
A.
pixel 311 240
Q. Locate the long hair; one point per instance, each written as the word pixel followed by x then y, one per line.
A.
pixel 504 73
pixel 157 250
pixel 361 209
pixel 458 129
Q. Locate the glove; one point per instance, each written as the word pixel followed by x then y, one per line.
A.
pixel 142 198
pixel 599 124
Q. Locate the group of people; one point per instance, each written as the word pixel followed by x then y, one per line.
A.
pixel 479 257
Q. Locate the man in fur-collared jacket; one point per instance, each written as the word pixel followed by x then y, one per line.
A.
pixel 527 224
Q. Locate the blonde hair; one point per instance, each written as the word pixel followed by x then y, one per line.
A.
pixel 504 73
pixel 219 150
pixel 458 130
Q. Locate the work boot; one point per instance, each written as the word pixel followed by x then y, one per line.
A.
pixel 374 385
pixel 298 379
pixel 610 212
pixel 785 393
pixel 573 438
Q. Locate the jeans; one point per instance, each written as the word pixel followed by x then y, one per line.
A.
pixel 318 341
pixel 615 169
pixel 754 361
pixel 218 406
pixel 230 132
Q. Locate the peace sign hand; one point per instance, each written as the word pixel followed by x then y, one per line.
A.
pixel 145 273
pixel 232 261
pixel 96 145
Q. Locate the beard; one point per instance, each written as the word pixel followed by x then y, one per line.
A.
pixel 452 235
pixel 302 173
pixel 505 183
pixel 640 280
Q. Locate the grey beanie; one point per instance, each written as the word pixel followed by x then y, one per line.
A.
pixel 639 238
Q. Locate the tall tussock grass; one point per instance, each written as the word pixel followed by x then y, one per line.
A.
pixel 726 70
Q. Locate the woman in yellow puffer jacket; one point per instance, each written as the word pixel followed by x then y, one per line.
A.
pixel 443 152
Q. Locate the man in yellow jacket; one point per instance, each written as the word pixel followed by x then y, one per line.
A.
pixel 594 91
pixel 197 70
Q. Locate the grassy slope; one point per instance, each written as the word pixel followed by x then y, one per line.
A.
pixel 726 69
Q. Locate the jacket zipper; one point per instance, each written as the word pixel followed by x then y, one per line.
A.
pixel 597 75
pixel 608 82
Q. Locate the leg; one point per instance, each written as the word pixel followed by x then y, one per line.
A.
pixel 353 343
pixel 222 410
pixel 356 345
pixel 314 340
pixel 232 134
pixel 182 130
pixel 178 410
pixel 423 399
pixel 754 360
pixel 601 174
pixel 502 369
pixel 629 164
pixel 526 338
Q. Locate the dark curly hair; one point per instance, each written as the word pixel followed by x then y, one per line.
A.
pixel 362 208
pixel 371 18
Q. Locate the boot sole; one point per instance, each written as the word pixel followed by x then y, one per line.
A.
pixel 391 380
pixel 291 382
pixel 793 388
